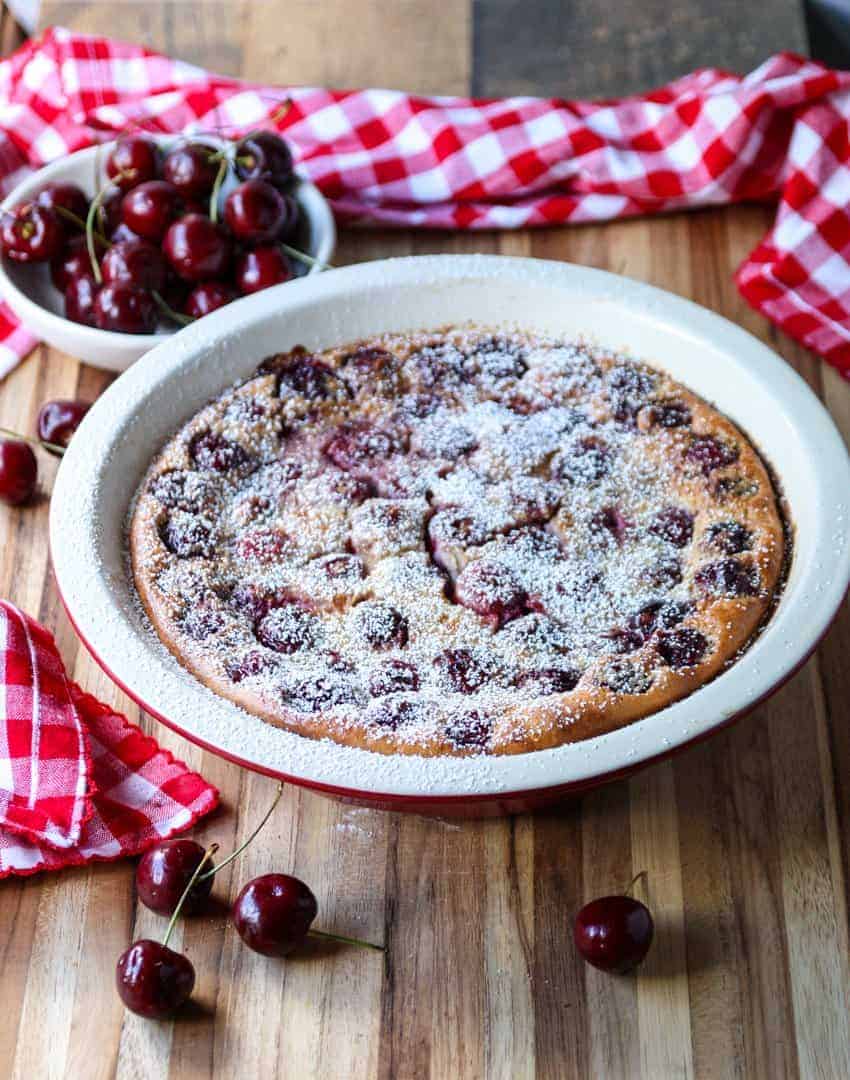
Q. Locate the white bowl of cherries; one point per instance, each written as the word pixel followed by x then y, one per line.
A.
pixel 110 250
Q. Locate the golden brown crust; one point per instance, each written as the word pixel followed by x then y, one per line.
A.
pixel 192 548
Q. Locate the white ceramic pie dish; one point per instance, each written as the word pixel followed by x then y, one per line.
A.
pixel 718 360
pixel 31 295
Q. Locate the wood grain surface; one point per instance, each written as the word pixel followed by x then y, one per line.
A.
pixel 744 841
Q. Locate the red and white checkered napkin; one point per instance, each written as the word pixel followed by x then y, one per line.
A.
pixel 388 158
pixel 78 782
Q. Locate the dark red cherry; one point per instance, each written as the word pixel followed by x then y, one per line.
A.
pixel 729 537
pixel 206 297
pixel 380 624
pixel 682 647
pixel 256 212
pixel 191 169
pixel 491 590
pixel 668 414
pixel 461 670
pixel 187 538
pixel 134 160
pixel 153 980
pixel 71 262
pixel 64 197
pixel 261 268
pixel 165 871
pixel 614 933
pixel 545 681
pixel 18 471
pixel 121 233
pixel 134 262
pixel 150 208
pixel 674 524
pixel 125 310
pixel 273 913
pixel 586 462
pixel 215 453
pixel 109 216
pixel 249 665
pixel 80 295
pixel 710 453
pixel 393 677
pixel 58 420
pixel 197 248
pixel 264 156
pixel 31 233
pixel 287 629
pixel 304 375
pixel 610 522
pixel 728 577
pixel 470 730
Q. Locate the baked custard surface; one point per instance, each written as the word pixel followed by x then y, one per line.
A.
pixel 457 542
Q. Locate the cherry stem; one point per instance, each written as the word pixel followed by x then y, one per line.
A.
pixel 69 215
pixel 54 448
pixel 642 874
pixel 245 843
pixel 168 310
pixel 216 188
pixel 208 854
pixel 304 257
pixel 345 940
pixel 96 204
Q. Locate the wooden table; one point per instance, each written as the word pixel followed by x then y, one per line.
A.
pixel 745 840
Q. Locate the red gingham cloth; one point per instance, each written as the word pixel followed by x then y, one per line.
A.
pixel 388 158
pixel 78 782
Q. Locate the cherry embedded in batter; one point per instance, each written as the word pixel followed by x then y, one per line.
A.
pixel 381 625
pixel 683 647
pixel 215 453
pixel 134 160
pixel 31 233
pixel 728 577
pixel 729 537
pixel 674 524
pixel 187 537
pixel 461 670
pixel 287 629
pixel 164 873
pixel 393 677
pixel 58 420
pixel 710 453
pixel 306 376
pixel 18 472
pixel 471 730
pixel 544 681
pixel 668 414
pixel 614 933
pixel 491 590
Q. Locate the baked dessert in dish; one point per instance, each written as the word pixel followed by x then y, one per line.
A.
pixel 456 542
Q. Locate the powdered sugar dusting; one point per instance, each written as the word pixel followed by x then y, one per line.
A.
pixel 407 539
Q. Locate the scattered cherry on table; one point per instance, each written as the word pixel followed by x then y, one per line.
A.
pixel 59 419
pixel 614 933
pixel 18 471
pixel 164 872
pixel 272 914
pixel 153 980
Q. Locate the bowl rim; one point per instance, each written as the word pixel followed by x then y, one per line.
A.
pixel 312 201
pixel 130 656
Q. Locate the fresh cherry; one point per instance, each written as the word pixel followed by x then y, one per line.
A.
pixel 150 208
pixel 207 297
pixel 262 268
pixel 109 218
pixel 256 212
pixel 31 233
pixel 264 156
pixel 197 248
pixel 18 471
pixel 191 169
pixel 134 160
pixel 614 933
pixel 272 914
pixel 72 262
pixel 80 295
pixel 153 980
pixel 58 420
pixel 59 197
pixel 125 309
pixel 165 871
pixel 134 262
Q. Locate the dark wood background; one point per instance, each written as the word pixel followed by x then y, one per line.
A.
pixel 745 840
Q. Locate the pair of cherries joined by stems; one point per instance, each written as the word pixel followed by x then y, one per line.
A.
pixel 151 244
pixel 273 915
